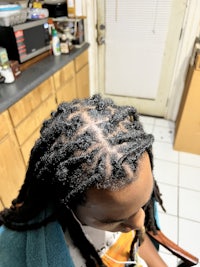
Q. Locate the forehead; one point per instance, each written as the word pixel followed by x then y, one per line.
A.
pixel 126 201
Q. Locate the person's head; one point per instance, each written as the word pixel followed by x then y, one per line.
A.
pixel 93 158
pixel 121 209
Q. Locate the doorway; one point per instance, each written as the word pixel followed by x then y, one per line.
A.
pixel 138 43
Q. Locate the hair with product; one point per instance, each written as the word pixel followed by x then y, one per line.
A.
pixel 84 144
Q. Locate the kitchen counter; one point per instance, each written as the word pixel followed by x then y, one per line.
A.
pixel 33 76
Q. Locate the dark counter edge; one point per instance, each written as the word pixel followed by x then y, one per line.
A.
pixel 33 76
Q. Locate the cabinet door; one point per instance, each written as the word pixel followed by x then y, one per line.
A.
pixel 67 91
pixel 31 101
pixel 29 143
pixel 12 169
pixel 64 75
pixel 82 82
pixel 81 61
pixel 25 129
pixel 2 206
pixel 82 75
pixel 65 85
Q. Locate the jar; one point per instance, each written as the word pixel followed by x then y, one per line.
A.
pixel 7 73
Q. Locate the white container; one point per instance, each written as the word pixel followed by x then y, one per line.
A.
pixel 7 73
pixel 10 18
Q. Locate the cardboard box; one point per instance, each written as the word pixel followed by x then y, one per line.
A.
pixel 14 64
pixel 187 131
pixel 197 61
pixel 74 8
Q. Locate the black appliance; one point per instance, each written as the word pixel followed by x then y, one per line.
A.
pixel 25 41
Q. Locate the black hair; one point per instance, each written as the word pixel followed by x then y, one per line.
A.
pixel 85 143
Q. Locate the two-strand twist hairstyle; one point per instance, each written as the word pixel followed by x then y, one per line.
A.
pixel 85 143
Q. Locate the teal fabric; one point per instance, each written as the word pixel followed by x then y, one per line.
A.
pixel 44 247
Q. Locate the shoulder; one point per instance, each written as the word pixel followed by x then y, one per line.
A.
pixel 34 247
pixel 12 247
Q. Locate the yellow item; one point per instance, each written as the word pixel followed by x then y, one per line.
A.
pixel 37 5
pixel 119 251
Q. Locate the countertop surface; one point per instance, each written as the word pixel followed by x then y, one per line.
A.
pixel 33 76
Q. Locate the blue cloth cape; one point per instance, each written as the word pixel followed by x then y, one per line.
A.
pixel 44 247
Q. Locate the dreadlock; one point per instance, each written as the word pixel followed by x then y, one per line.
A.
pixel 85 143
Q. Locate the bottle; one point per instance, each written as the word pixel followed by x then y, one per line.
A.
pixel 55 43
pixel 64 46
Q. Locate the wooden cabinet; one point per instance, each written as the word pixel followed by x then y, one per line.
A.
pixel 82 75
pixel 72 81
pixel 12 169
pixel 31 101
pixel 20 124
pixel 29 113
pixel 64 82
pixel 1 204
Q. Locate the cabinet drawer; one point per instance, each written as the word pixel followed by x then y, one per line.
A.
pixel 34 120
pixel 31 101
pixel 5 124
pixel 63 75
pixel 81 61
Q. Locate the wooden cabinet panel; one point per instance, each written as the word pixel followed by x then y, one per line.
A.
pixel 45 89
pixel 65 74
pixel 2 205
pixel 34 120
pixel 31 101
pixel 82 75
pixel 5 124
pixel 81 61
pixel 12 169
pixel 67 92
pixel 65 84
pixel 27 146
pixel 82 82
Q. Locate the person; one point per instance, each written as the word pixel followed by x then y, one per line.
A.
pixel 87 189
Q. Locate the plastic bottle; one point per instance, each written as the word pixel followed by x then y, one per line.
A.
pixel 55 43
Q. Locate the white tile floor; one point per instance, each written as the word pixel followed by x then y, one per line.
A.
pixel 178 176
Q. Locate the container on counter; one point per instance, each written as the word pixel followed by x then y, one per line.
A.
pixel 7 73
pixel 55 43
pixel 64 44
pixel 12 14
pixel 3 56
